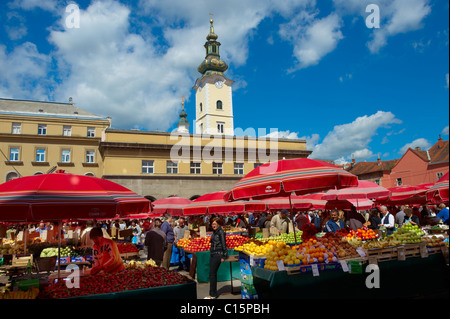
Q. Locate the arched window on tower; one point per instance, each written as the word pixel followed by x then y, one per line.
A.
pixel 219 105
pixel 201 107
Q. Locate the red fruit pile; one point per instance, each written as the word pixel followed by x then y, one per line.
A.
pixel 128 279
pixel 234 241
pixel 198 244
pixel 127 248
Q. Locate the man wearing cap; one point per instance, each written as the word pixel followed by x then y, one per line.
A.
pixel 280 223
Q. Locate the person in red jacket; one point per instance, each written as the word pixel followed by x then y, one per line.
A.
pixel 106 254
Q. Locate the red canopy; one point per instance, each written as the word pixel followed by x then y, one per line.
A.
pixel 213 203
pixel 59 196
pixel 299 176
pixel 439 191
pixel 171 205
pixel 364 190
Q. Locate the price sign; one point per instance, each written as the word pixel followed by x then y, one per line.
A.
pixel 280 265
pixel 315 270
pixel 344 265
pixel 361 252
pixel 202 231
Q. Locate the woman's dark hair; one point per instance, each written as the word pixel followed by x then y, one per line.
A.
pixel 96 232
pixel 217 220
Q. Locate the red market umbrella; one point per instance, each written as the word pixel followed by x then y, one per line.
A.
pixel 299 176
pixel 405 195
pixel 213 203
pixel 58 196
pixel 279 203
pixel 171 205
pixel 364 190
pixel 439 191
pixel 341 204
pixel 290 176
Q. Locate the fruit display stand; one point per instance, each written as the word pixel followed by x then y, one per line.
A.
pixel 397 265
pixel 136 281
pixel 413 277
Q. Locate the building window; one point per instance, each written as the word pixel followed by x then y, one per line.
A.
pixel 90 157
pixel 201 107
pixel 16 128
pixel 238 168
pixel 220 127
pixel 11 175
pixel 40 155
pixel 255 165
pixel 147 167
pixel 217 168
pixel 201 128
pixel 67 130
pixel 219 105
pixel 439 175
pixel 377 181
pixel 172 167
pixel 42 129
pixel 399 181
pixel 91 132
pixel 14 154
pixel 65 156
pixel 196 168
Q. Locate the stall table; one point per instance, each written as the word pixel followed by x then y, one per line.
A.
pixel 200 267
pixel 413 277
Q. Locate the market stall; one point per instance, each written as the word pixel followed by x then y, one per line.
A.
pixel 271 269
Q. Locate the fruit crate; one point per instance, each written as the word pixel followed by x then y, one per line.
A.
pixel 127 256
pixel 382 254
pixel 408 250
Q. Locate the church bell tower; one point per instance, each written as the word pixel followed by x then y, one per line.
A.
pixel 213 92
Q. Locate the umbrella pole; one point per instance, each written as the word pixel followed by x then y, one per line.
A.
pixel 59 251
pixel 293 224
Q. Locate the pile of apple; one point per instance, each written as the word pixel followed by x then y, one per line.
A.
pixel 407 234
pixel 204 243
pixel 338 245
pixel 198 244
pixel 127 248
pixel 288 238
pixel 128 279
pixel 234 241
pixel 434 241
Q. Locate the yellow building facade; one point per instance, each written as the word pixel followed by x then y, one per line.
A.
pixel 40 137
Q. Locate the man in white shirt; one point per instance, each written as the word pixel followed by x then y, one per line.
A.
pixel 387 220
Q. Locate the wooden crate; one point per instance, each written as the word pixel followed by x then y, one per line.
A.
pixel 381 254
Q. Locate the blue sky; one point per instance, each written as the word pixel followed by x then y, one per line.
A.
pixel 309 69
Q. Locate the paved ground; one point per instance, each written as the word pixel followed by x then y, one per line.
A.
pixel 223 288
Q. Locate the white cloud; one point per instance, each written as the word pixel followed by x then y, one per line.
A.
pixel 24 72
pixel 397 16
pixel 353 138
pixel 420 142
pixel 313 38
pixel 47 5
pixel 445 131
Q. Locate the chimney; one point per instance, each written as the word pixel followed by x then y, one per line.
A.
pixel 378 161
pixel 440 142
pixel 70 100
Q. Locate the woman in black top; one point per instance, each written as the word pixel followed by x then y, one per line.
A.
pixel 374 219
pixel 218 252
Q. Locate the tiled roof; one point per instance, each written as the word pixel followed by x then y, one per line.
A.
pixel 439 153
pixel 361 168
